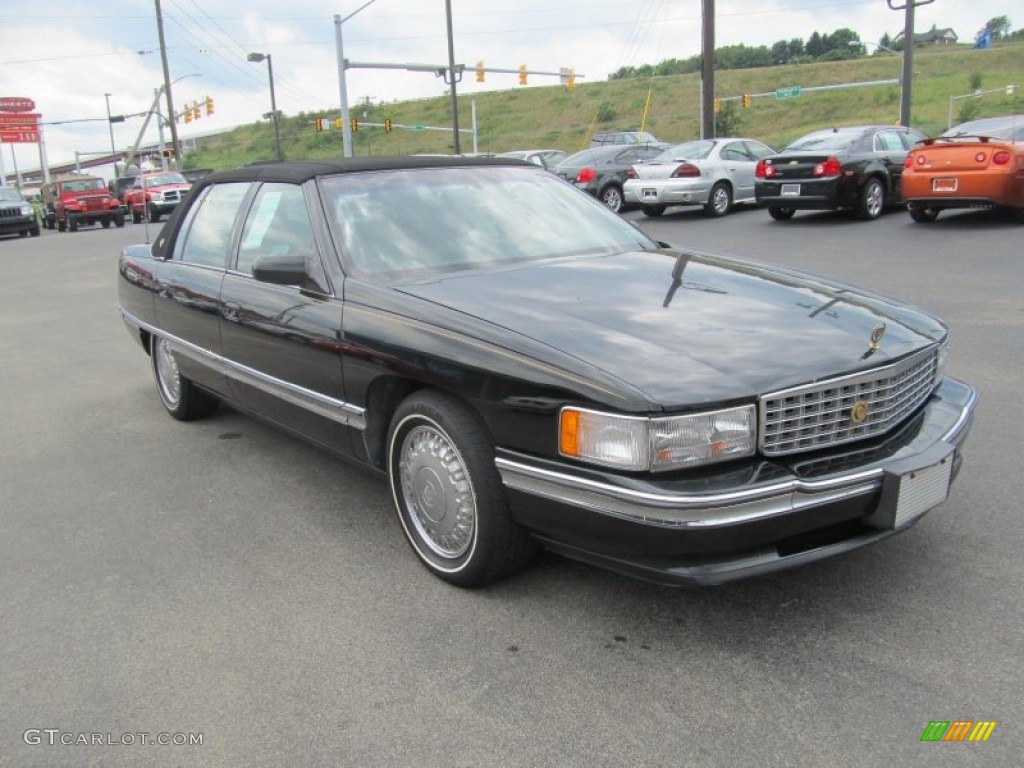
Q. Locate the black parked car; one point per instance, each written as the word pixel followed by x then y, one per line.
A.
pixel 857 168
pixel 602 171
pixel 526 368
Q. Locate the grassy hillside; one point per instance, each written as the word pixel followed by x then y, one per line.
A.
pixel 551 116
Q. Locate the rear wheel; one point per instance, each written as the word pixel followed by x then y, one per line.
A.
pixel 719 200
pixel 781 214
pixel 922 215
pixel 872 200
pixel 653 210
pixel 448 494
pixel 611 196
pixel 136 217
pixel 182 399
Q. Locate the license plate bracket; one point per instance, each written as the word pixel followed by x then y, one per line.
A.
pixel 945 184
pixel 914 486
pixel 791 190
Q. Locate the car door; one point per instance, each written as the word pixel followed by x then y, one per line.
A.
pixel 187 285
pixel 281 325
pixel 739 165
pixel 891 152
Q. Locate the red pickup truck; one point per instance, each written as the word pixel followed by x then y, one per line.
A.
pixel 78 200
pixel 154 194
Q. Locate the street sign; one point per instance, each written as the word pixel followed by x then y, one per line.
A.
pixel 415 127
pixel 789 92
pixel 19 137
pixel 9 120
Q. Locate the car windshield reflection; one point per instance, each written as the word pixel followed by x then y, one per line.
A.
pixel 420 222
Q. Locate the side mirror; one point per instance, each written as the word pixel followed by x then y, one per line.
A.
pixel 289 269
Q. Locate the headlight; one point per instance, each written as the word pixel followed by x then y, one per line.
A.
pixel 660 444
pixel 26 210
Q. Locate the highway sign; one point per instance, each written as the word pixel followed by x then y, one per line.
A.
pixel 789 92
pixel 415 127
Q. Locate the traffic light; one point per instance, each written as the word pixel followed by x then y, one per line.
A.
pixel 571 81
pixel 479 71
pixel 746 100
pixel 718 105
pixel 522 74
pixel 353 123
pixel 387 125
pixel 338 123
pixel 209 106
pixel 196 112
pixel 187 114
pixel 318 125
pixel 168 153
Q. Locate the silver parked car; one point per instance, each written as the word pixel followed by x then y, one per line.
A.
pixel 715 173
pixel 545 158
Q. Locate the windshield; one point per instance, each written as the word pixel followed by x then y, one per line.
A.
pixel 691 150
pixel 421 222
pixel 9 195
pixel 164 178
pixel 83 185
pixel 822 140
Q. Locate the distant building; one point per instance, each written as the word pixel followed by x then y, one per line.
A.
pixel 932 37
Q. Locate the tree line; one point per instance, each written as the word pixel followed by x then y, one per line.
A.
pixel 834 46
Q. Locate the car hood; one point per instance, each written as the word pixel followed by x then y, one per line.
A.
pixel 169 187
pixel 689 328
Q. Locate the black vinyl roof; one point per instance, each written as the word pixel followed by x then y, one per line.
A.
pixel 300 171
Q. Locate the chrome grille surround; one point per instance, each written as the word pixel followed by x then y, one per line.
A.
pixel 813 416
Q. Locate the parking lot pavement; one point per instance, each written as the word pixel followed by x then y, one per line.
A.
pixel 222 579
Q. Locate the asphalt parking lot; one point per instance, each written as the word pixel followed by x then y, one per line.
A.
pixel 220 578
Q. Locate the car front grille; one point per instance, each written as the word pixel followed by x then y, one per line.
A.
pixel 94 203
pixel 172 196
pixel 819 415
pixel 11 212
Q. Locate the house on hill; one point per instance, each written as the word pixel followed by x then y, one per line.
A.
pixel 933 36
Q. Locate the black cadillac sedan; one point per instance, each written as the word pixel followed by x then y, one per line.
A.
pixel 527 369
pixel 856 168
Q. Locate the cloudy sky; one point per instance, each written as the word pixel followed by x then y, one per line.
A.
pixel 66 54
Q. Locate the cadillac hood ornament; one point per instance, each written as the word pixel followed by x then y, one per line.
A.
pixel 876 336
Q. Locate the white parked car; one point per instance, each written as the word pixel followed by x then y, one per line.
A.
pixel 715 173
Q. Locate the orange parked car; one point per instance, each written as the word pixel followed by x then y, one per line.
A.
pixel 979 164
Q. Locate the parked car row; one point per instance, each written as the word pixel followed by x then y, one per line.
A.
pixel 863 169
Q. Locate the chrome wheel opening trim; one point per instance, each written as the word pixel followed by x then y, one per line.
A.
pixel 337 410
pixel 437 492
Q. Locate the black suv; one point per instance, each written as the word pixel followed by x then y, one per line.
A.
pixel 17 214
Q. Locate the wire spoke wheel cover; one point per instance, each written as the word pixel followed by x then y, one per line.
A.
pixel 437 491
pixel 168 377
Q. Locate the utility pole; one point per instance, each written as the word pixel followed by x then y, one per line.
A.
pixel 908 54
pixel 707 71
pixel 452 78
pixel 167 87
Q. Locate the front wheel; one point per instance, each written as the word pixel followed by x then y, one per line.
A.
pixel 182 399
pixel 923 215
pixel 872 200
pixel 119 219
pixel 781 214
pixel 448 495
pixel 719 200
pixel 154 215
pixel 136 217
pixel 72 223
pixel 105 222
pixel 34 231
pixel 611 196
